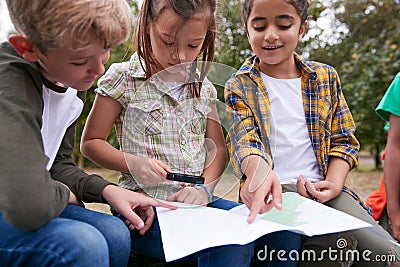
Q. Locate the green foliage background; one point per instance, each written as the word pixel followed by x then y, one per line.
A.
pixel 363 47
pixel 367 59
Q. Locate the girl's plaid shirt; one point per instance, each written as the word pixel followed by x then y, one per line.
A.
pixel 330 124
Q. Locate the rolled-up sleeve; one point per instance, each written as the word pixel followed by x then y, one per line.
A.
pixel 244 136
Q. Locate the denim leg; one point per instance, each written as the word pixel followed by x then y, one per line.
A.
pixel 223 204
pixel 61 242
pixel 115 232
pixel 150 243
pixel 278 249
pixel 228 255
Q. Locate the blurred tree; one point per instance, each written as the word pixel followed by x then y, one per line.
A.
pixel 232 45
pixel 367 58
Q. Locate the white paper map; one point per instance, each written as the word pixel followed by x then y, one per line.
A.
pixel 190 228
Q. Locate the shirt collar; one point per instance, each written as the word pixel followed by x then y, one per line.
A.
pixel 138 72
pixel 54 87
pixel 251 67
pixel 135 68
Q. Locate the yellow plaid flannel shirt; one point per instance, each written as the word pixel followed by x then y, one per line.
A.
pixel 329 121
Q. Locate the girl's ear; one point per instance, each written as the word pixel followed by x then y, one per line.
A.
pixel 148 25
pixel 23 47
pixel 302 30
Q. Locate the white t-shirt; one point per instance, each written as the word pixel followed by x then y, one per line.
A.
pixel 59 112
pixel 290 143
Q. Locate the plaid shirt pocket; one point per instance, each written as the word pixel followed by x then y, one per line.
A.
pixel 147 117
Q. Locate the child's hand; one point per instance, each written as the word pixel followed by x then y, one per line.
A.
pixel 147 171
pixel 135 207
pixel 395 224
pixel 72 198
pixel 190 195
pixel 256 192
pixel 320 191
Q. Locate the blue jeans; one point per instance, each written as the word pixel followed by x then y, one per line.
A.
pixel 78 237
pixel 150 244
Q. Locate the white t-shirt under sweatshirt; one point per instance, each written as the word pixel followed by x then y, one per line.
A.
pixel 59 112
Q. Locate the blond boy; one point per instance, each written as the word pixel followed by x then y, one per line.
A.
pixel 58 52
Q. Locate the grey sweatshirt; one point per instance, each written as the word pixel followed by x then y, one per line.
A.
pixel 30 196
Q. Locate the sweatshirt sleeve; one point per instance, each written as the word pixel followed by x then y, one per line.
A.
pixel 29 197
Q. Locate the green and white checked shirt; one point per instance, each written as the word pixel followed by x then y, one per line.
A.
pixel 153 124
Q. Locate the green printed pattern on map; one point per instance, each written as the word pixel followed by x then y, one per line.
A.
pixel 288 215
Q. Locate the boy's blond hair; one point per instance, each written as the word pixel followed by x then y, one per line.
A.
pixel 49 24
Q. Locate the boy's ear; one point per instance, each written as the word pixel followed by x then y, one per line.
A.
pixel 23 47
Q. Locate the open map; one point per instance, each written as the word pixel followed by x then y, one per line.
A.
pixel 193 228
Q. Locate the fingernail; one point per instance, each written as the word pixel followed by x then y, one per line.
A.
pixel 140 225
